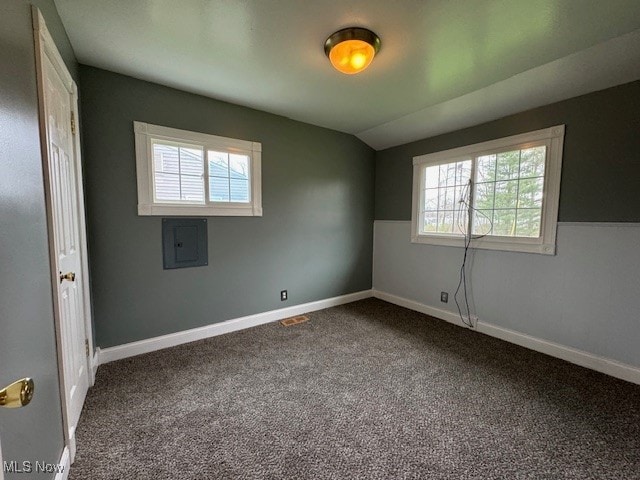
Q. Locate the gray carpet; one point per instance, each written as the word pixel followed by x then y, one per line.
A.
pixel 366 390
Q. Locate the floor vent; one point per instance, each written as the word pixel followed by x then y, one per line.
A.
pixel 287 322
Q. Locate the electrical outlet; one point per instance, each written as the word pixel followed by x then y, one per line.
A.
pixel 444 297
pixel 283 295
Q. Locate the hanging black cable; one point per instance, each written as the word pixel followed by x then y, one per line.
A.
pixel 465 205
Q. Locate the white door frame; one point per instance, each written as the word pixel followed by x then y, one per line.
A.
pixel 45 48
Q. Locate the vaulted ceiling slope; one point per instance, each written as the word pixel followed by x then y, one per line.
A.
pixel 444 64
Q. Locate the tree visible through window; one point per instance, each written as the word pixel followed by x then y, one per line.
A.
pixel 508 193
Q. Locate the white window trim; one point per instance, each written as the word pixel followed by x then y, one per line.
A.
pixel 553 138
pixel 145 133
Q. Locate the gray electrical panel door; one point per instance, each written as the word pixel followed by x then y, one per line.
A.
pixel 184 242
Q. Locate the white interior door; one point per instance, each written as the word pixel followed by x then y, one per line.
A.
pixel 66 241
pixel 66 229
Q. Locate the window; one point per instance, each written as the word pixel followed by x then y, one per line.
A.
pixel 188 173
pixel 500 195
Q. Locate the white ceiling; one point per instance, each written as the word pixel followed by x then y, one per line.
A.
pixel 443 65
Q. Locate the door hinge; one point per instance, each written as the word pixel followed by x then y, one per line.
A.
pixel 73 124
pixel 86 346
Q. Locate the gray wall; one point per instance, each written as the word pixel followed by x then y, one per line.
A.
pixel 27 341
pixel 600 166
pixel 588 295
pixel 314 239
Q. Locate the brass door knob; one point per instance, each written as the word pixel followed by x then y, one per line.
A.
pixel 71 276
pixel 18 394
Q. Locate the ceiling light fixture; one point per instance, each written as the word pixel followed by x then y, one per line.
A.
pixel 352 49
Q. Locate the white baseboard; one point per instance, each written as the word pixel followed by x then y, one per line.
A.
pixel 110 354
pixel 447 315
pixel 600 364
pixel 65 463
pixel 605 365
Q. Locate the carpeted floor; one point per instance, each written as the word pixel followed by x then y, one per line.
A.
pixel 362 391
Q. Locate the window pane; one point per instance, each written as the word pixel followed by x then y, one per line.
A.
pixel 239 190
pixel 431 199
pixel 218 189
pixel 191 162
pixel 447 174
pixel 178 173
pixel 504 223
pixel 219 176
pixel 192 188
pixel 445 186
pixel 483 198
pixel 482 222
pixel 218 164
pixel 508 165
pixel 445 222
pixel 486 169
pixel 532 162
pixel 431 176
pixel 506 194
pixel 167 187
pixel 447 196
pixel 239 166
pixel 461 221
pixel 451 174
pixel 430 222
pixel 460 197
pixel 530 193
pixel 165 159
pixel 463 172
pixel 528 224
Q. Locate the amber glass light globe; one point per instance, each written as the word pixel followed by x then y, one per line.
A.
pixel 351 50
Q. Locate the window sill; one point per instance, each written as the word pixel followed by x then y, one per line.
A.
pixel 488 244
pixel 199 211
